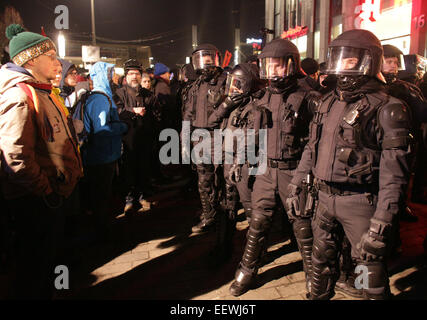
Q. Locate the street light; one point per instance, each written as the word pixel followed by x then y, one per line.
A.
pixel 61 45
pixel 92 6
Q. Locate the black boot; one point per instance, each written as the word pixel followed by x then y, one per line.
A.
pixel 378 287
pixel 248 267
pixel 347 265
pixel 207 218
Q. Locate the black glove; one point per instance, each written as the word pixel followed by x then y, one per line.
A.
pixel 372 245
pixel 215 97
pixel 233 101
pixel 292 201
pixel 53 200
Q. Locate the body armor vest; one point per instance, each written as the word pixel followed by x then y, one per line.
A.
pixel 287 121
pixel 202 108
pixel 344 141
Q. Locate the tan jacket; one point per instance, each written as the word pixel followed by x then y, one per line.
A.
pixel 39 153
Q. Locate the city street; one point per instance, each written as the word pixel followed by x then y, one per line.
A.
pixel 155 256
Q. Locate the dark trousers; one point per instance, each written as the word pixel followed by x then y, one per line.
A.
pixel 99 179
pixel 244 190
pixel 135 171
pixel 39 235
pixel 353 213
pixel 231 198
pixel 274 182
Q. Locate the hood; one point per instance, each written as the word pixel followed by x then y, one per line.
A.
pixel 11 75
pixel 65 67
pixel 101 73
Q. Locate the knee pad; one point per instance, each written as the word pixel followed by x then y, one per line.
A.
pixel 259 222
pixel 324 272
pixel 302 229
pixel 325 251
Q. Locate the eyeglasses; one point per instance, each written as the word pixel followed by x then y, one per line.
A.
pixel 52 56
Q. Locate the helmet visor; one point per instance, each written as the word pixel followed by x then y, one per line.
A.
pixel 393 64
pixel 203 59
pixel 348 61
pixel 235 85
pixel 272 68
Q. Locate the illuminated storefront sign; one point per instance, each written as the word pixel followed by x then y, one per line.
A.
pixel 295 33
pixel 390 21
pixel 252 40
pixel 367 12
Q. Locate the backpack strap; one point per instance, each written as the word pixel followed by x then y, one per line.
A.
pixel 31 94
pixel 45 128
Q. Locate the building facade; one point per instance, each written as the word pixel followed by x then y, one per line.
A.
pixel 313 24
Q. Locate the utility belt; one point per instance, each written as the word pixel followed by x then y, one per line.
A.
pixel 344 189
pixel 282 164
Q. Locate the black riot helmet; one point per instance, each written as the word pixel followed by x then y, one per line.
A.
pixel 355 56
pixel 242 80
pixel 393 63
pixel 280 59
pixel 187 74
pixel 394 52
pixel 206 57
pixel 415 68
pixel 132 64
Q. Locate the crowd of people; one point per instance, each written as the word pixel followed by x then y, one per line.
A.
pixel 343 138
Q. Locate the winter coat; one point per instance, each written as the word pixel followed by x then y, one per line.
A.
pixel 67 93
pixel 139 127
pixel 102 121
pixel 39 152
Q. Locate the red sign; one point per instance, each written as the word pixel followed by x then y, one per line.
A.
pixel 256 46
pixel 295 33
pixel 227 59
pixel 368 10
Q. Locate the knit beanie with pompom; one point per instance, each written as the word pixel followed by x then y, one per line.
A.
pixel 25 46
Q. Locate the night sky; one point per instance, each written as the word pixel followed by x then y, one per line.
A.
pixel 170 20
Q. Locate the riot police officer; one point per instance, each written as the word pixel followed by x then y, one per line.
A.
pixel 206 94
pixel 413 96
pixel 284 113
pixel 358 152
pixel 242 88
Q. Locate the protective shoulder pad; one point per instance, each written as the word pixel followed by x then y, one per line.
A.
pixel 395 121
pixel 394 116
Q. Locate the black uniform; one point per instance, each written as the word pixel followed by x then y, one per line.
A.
pixel 284 113
pixel 358 152
pixel 243 118
pixel 242 83
pixel 416 101
pixel 206 94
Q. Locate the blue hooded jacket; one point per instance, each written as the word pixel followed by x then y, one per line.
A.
pixel 102 122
